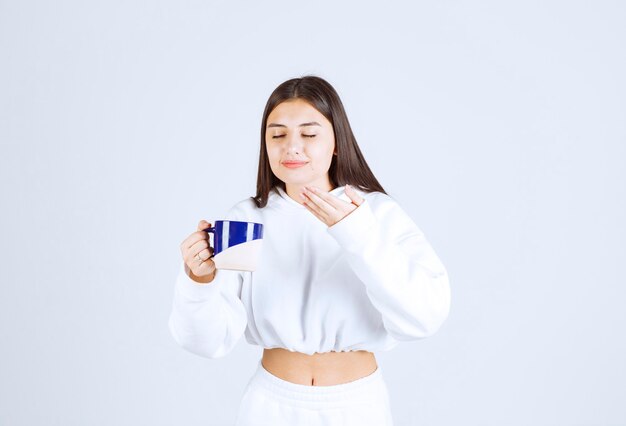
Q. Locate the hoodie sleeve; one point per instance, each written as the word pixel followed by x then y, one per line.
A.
pixel 404 278
pixel 209 319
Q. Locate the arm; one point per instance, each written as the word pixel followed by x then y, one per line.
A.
pixel 404 278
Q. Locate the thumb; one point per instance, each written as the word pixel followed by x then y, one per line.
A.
pixel 353 195
pixel 203 224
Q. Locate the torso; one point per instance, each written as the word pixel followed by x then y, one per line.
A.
pixel 319 369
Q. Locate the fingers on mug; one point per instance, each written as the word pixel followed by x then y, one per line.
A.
pixel 211 230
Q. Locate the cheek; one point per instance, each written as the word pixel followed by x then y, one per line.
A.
pixel 273 153
pixel 322 152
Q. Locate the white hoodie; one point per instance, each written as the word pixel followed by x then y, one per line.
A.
pixel 364 283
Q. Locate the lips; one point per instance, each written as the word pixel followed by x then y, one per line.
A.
pixel 293 164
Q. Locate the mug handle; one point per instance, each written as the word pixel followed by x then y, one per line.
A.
pixel 211 230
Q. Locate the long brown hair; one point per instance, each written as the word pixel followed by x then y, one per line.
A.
pixel 347 167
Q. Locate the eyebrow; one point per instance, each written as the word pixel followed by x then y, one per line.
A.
pixel 310 123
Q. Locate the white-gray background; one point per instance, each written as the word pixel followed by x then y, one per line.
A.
pixel 498 126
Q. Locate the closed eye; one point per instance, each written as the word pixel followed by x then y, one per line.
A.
pixel 306 136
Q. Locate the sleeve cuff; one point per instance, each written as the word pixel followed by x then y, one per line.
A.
pixel 193 290
pixel 356 229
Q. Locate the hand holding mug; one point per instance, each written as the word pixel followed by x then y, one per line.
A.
pixel 197 254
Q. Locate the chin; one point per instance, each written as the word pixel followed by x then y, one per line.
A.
pixel 293 180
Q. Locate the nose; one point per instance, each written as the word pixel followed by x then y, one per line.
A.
pixel 294 144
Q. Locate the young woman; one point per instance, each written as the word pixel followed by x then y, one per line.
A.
pixel 344 272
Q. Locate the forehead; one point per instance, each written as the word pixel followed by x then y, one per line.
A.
pixel 295 112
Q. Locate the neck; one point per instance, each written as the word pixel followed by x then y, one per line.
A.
pixel 294 190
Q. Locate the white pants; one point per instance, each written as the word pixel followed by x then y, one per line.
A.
pixel 270 400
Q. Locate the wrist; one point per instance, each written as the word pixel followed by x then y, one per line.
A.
pixel 204 279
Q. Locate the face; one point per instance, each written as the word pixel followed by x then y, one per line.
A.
pixel 297 132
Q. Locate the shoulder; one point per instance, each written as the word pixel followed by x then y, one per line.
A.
pixel 377 198
pixel 389 213
pixel 380 203
pixel 244 210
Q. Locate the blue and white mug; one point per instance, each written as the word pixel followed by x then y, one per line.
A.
pixel 236 244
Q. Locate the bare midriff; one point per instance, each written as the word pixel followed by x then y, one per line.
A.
pixel 319 369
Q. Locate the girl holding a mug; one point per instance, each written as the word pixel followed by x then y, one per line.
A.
pixel 344 272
